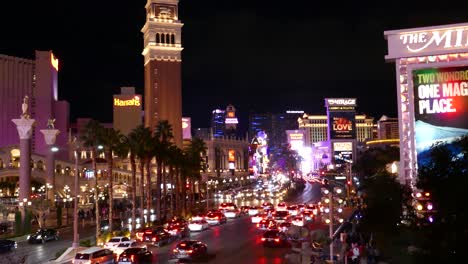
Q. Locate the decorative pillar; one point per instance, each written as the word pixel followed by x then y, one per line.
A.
pixel 24 126
pixel 50 135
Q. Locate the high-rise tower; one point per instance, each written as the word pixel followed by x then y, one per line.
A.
pixel 162 52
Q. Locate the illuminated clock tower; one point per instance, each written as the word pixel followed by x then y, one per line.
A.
pixel 162 52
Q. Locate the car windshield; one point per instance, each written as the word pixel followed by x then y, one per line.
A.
pixel 185 245
pixel 131 251
pixel 81 256
pixel 271 233
pixel 113 240
pixel 124 245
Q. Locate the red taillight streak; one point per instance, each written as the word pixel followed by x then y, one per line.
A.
pixel 277 240
pixel 190 251
pixel 263 239
pixel 132 258
pixel 175 250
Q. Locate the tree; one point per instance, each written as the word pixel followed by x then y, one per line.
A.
pixel 285 159
pixel 128 149
pixel 374 161
pixel 162 140
pixel 444 178
pixel 90 137
pixel 111 140
pixel 195 153
pixel 40 208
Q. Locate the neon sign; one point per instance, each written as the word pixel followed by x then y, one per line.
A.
pixel 135 101
pixel 231 121
pixel 54 62
pixel 341 101
pixel 427 41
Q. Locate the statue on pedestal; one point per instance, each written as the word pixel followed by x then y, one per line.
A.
pixel 25 107
pixel 50 123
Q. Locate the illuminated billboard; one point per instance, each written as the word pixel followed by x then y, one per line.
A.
pixel 296 138
pixel 231 155
pixel 342 152
pixel 127 110
pixel 186 128
pixel 342 124
pixel 440 107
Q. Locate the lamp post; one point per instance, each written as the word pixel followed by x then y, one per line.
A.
pixel 330 200
pixel 22 205
pixel 75 243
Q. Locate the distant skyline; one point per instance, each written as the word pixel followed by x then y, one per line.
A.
pixel 259 56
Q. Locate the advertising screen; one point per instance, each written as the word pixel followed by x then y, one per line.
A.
pixel 342 125
pixel 342 152
pixel 231 155
pixel 440 107
pixel 186 128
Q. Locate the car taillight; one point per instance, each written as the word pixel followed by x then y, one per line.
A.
pixel 153 239
pixel 263 239
pixel 132 258
pixel 258 225
pixel 276 239
pixel 217 217
pixel 175 250
pixel 190 251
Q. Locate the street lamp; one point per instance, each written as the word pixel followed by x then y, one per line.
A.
pixel 330 200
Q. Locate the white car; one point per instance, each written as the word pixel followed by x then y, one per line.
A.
pixel 115 241
pixel 198 217
pixel 253 211
pixel 124 245
pixel 281 207
pixel 231 213
pixel 257 218
pixel 298 221
pixel 198 225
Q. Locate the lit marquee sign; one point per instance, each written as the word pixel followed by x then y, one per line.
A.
pixel 54 62
pixel 296 139
pixel 341 101
pixel 135 101
pixel 427 41
pixel 231 120
pixel 440 107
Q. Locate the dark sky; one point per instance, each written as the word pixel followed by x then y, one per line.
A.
pixel 257 55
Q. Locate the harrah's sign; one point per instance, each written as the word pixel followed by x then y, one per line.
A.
pixel 135 101
pixel 427 41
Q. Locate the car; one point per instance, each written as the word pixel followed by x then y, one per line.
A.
pixel 280 216
pixel 198 217
pixel 122 246
pixel 136 255
pixel 301 207
pixel 140 232
pixel 43 235
pixel 281 207
pixel 293 210
pixel 266 224
pixel 7 245
pixel 283 227
pixel 190 249
pixel 198 225
pixel 115 241
pixel 257 218
pixel 94 255
pixel 244 209
pixel 312 208
pixel 298 221
pixel 178 229
pixel 274 238
pixel 267 205
pixel 216 218
pixel 253 210
pixel 232 213
pixel 308 216
pixel 225 206
pixel 158 237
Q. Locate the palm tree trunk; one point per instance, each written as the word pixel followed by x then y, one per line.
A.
pixel 110 164
pixel 177 191
pixel 142 188
pixel 171 182
pixel 148 188
pixel 158 190
pixel 96 195
pixel 133 165
pixel 165 191
pixel 184 195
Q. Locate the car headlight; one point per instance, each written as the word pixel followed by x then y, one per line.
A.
pixel 39 237
pixel 29 237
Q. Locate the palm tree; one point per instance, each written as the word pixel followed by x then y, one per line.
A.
pixel 196 151
pixel 90 137
pixel 132 141
pixel 162 139
pixel 111 140
pixel 143 138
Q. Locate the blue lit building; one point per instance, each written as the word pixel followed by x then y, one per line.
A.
pixel 217 122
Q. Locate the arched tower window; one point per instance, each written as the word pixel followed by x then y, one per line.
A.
pixel 168 41
pixel 157 38
pixel 172 39
pixel 163 39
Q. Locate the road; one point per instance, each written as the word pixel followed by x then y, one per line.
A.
pixel 237 241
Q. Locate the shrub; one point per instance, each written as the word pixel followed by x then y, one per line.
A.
pixel 85 243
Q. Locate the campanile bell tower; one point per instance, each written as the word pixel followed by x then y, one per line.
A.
pixel 162 52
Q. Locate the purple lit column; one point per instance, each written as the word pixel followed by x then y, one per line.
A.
pixel 24 126
pixel 50 135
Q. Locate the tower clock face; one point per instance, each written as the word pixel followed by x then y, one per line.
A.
pixel 165 12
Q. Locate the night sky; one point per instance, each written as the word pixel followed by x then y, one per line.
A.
pixel 257 55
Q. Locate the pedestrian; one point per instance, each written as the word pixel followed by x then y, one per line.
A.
pixel 355 253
